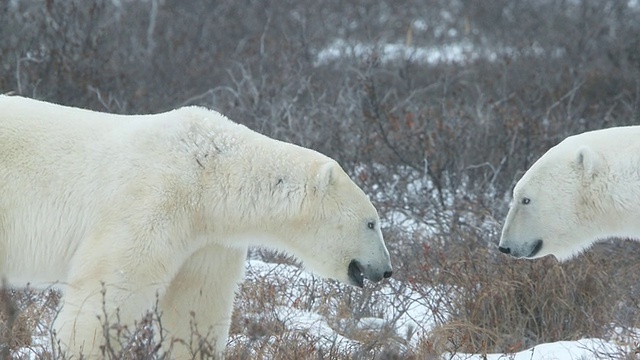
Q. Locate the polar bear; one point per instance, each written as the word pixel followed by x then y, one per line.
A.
pixel 584 189
pixel 162 208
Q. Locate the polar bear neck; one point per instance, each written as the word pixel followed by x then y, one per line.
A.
pixel 614 196
pixel 246 178
pixel 624 192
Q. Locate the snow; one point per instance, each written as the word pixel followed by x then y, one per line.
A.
pixel 39 345
pixel 454 52
pixel 562 350
pixel 407 310
pixel 317 326
pixel 447 53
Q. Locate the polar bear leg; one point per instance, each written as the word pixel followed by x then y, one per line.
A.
pixel 80 323
pixel 205 286
pixel 103 284
pixel 77 326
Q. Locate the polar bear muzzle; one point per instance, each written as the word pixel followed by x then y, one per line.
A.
pixel 357 273
pixel 537 245
pixel 536 248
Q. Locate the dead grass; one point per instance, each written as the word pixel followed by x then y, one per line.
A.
pixel 502 305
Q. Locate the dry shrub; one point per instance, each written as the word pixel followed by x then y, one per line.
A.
pixel 23 314
pixel 14 333
pixel 275 310
pixel 287 345
pixel 498 304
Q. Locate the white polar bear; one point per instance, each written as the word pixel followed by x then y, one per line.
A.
pixel 166 204
pixel 586 188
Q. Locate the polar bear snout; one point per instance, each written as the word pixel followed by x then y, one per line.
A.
pixel 504 250
pixel 357 272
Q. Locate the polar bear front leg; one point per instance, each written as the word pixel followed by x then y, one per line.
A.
pixel 76 325
pixel 80 323
pixel 104 283
pixel 205 286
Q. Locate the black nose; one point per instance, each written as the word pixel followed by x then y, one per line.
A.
pixel 387 274
pixel 504 250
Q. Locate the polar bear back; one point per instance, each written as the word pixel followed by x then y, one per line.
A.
pixel 48 149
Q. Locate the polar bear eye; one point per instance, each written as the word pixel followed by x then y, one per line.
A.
pixel 371 224
pixel 526 201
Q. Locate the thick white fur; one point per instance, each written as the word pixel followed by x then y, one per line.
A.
pixel 585 189
pixel 164 205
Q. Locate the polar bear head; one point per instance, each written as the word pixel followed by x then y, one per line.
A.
pixel 258 191
pixel 575 194
pixel 312 210
pixel 337 233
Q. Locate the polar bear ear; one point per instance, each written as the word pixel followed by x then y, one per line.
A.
pixel 326 176
pixel 589 161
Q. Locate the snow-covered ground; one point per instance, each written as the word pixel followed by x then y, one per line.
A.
pixel 562 350
pixel 455 52
pixel 404 311
pixel 449 53
pixel 408 313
